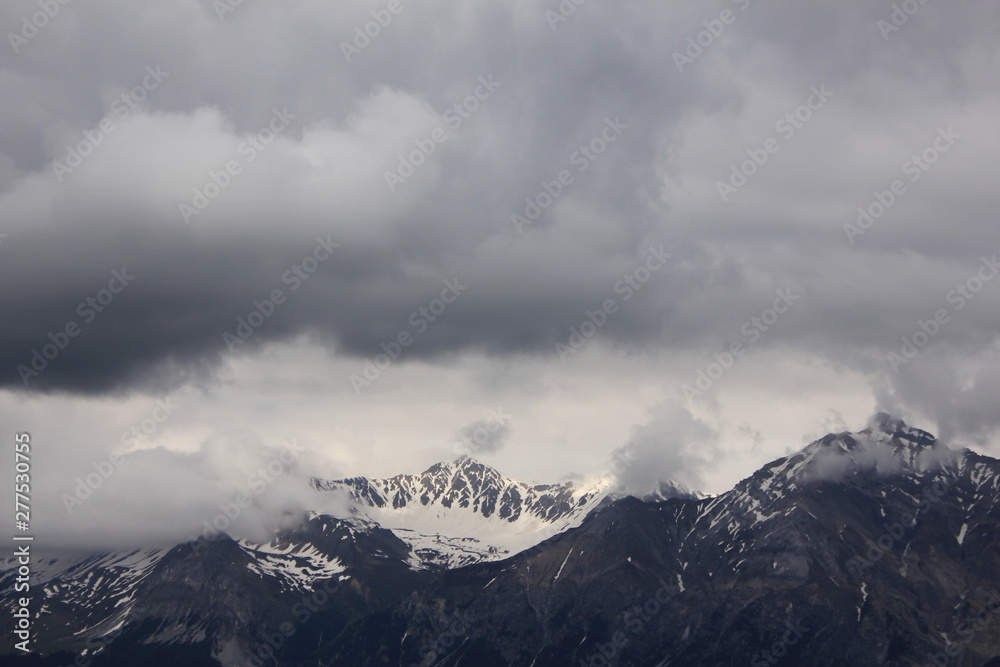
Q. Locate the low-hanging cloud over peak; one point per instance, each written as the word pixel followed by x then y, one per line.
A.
pixel 214 188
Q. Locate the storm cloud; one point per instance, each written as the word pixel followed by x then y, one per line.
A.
pixel 186 192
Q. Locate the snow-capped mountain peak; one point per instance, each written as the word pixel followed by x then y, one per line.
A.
pixel 462 511
pixel 819 515
pixel 466 484
pixel 665 490
pixel 886 447
pixel 885 427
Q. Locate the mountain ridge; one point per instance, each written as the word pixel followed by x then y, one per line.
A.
pixel 871 558
pixel 883 539
pixel 466 499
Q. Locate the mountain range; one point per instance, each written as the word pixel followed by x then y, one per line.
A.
pixel 877 547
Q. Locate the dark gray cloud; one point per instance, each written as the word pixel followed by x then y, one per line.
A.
pixel 655 185
pixel 483 436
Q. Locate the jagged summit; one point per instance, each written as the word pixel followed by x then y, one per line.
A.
pixel 461 511
pixel 887 446
pixel 879 562
pixel 463 462
pixel 886 424
pixel 666 491
pixel 888 547
pixel 466 511
pixel 465 483
pixel 472 468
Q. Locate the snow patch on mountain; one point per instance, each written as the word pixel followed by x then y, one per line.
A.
pixel 885 448
pixel 299 567
pixel 459 512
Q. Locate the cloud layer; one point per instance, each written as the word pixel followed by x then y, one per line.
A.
pixel 488 183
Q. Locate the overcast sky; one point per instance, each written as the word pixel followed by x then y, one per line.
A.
pixel 567 221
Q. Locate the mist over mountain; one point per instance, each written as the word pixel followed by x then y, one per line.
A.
pixel 875 547
pixel 492 334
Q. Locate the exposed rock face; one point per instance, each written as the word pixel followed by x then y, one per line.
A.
pixel 873 548
pixel 880 547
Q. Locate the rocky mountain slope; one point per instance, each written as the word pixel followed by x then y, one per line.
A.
pixel 873 548
pixel 465 512
pixel 880 547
